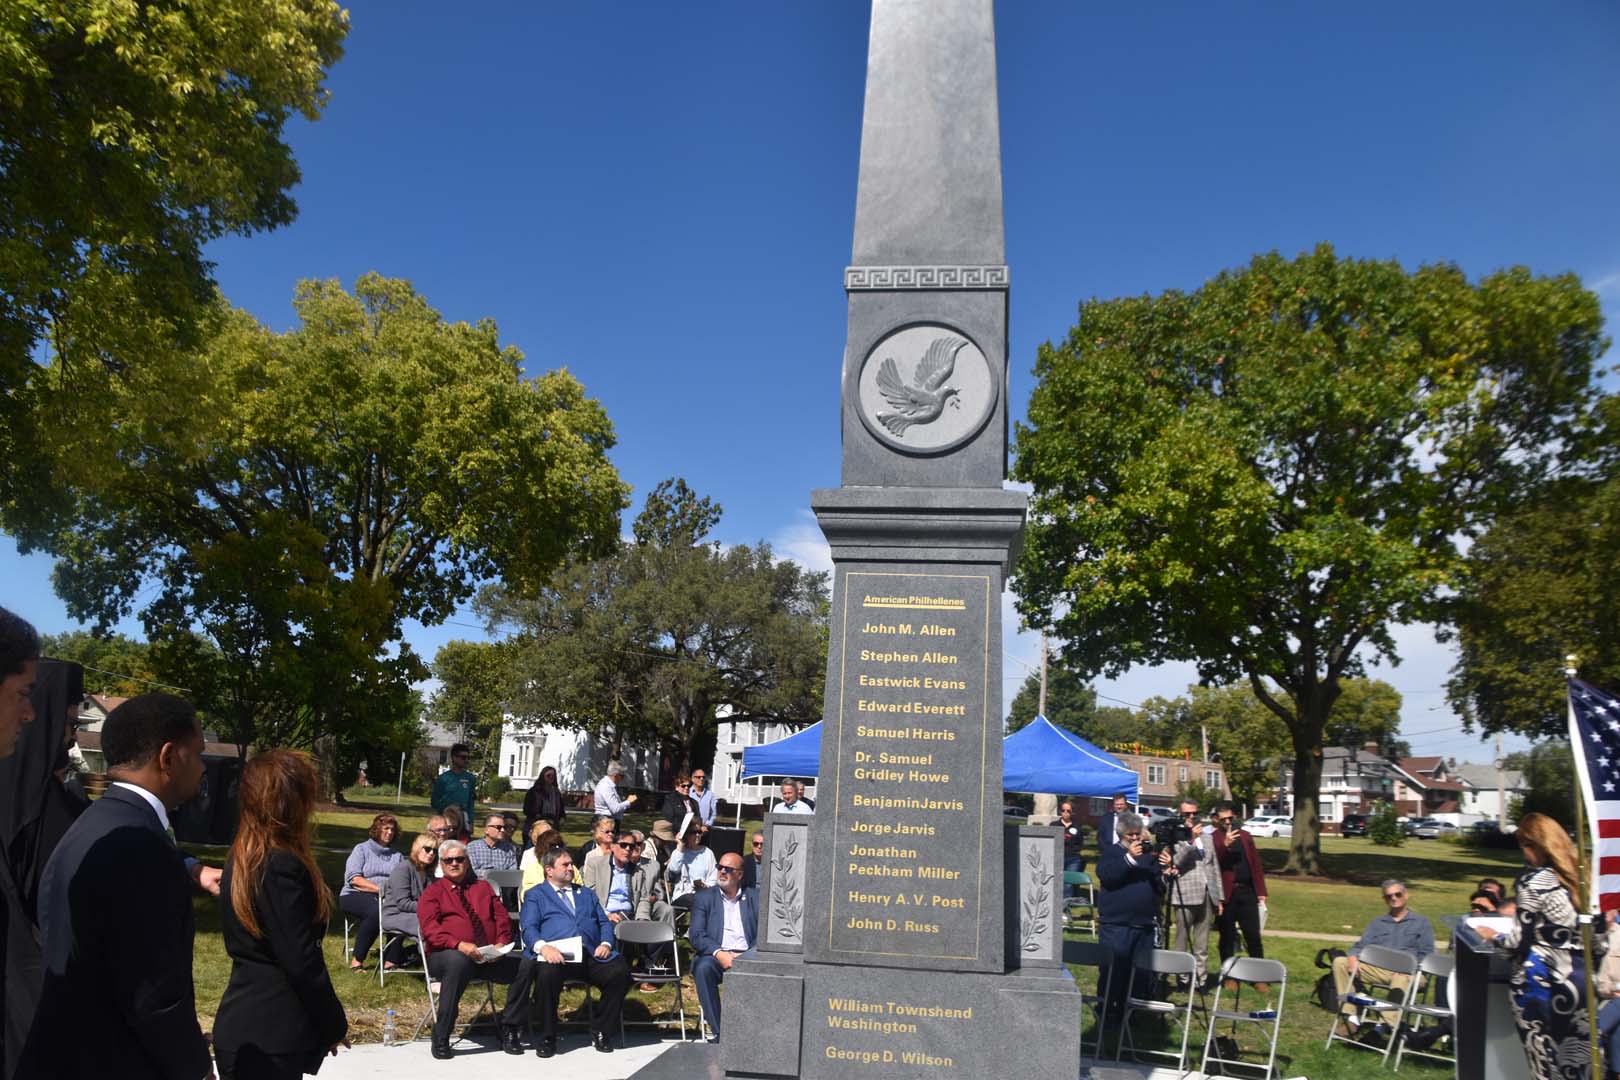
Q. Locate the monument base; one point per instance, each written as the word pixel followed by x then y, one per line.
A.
pixel 812 1021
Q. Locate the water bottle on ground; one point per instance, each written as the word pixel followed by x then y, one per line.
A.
pixel 390 1035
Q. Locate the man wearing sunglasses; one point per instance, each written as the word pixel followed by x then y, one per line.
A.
pixel 724 921
pixel 460 915
pixel 496 850
pixel 628 886
pixel 703 795
pixel 1399 928
pixel 754 862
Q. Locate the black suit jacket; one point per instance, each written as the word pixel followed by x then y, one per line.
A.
pixel 1105 833
pixel 280 998
pixel 115 912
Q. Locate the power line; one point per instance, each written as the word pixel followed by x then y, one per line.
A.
pixel 123 675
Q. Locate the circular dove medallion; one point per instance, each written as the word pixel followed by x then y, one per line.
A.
pixel 925 389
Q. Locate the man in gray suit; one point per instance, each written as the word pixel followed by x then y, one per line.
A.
pixel 115 913
pixel 1196 897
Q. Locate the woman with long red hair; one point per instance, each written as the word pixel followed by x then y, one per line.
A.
pixel 279 1017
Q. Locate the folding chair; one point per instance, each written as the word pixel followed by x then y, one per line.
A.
pixel 1158 962
pixel 1074 904
pixel 1245 971
pixel 1434 970
pixel 386 938
pixel 1395 961
pixel 501 881
pixel 1091 954
pixel 433 1002
pixel 648 933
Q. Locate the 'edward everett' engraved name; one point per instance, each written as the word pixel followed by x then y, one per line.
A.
pixel 906 629
pixel 916 708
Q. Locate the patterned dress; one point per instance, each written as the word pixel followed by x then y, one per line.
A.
pixel 1549 982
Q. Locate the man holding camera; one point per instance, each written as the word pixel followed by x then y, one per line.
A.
pixel 1197 898
pixel 1133 882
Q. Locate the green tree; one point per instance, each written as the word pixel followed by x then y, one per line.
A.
pixel 295 497
pixel 113 664
pixel 1549 770
pixel 1542 585
pixel 1367 710
pixel 1070 702
pixel 1264 476
pixel 130 136
pixel 475 681
pixel 649 642
pixel 1248 737
pixel 1384 827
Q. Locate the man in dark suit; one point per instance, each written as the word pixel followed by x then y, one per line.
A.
pixel 1108 831
pixel 19 658
pixel 558 915
pixel 115 913
pixel 724 922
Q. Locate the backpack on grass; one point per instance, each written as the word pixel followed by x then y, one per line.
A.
pixel 1325 993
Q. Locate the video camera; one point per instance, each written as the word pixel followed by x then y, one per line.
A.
pixel 1168 833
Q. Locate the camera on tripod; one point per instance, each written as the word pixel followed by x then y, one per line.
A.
pixel 1168 833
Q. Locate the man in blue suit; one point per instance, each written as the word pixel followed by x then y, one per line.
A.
pixel 555 912
pixel 724 922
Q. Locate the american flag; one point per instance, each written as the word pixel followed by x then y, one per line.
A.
pixel 1594 726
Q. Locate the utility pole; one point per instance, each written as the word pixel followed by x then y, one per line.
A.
pixel 1043 673
pixel 1203 736
pixel 1501 796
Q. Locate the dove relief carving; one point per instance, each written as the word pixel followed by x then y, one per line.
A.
pixel 927 396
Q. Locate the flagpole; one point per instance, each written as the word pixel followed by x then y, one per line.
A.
pixel 1588 884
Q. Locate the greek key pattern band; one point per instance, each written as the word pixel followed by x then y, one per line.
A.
pixel 858 278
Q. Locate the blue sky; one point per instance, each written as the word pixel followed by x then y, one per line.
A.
pixel 661 196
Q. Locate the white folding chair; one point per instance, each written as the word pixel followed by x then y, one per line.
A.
pixel 1396 962
pixel 1245 971
pixel 433 1002
pixel 1434 970
pixel 1159 962
pixel 500 881
pixel 1091 954
pixel 1081 913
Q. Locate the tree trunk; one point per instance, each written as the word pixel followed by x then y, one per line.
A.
pixel 1305 848
pixel 326 754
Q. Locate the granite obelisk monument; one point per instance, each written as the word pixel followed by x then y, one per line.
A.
pixel 905 930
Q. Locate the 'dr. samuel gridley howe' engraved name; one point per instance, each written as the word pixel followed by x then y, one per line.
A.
pixel 893 769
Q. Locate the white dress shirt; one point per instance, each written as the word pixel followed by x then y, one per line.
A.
pixel 151 800
pixel 733 938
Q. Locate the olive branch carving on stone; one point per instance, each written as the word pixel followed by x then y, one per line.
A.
pixel 786 904
pixel 1037 905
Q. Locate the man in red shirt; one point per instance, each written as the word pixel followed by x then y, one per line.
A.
pixel 460 917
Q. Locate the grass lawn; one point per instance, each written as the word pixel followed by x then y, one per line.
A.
pixel 1439 875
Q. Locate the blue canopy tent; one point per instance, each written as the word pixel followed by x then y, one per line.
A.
pixel 797 755
pixel 1042 757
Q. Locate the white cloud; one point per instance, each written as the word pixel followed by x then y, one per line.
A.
pixel 1607 285
pixel 802 542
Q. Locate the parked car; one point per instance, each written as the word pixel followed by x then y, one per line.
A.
pixel 1428 828
pixel 1270 826
pixel 1354 825
pixel 1152 815
pixel 1489 834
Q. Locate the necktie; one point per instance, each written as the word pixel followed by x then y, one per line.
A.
pixel 479 936
pixel 568 895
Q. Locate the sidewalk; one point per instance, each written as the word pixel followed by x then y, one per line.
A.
pixel 481 1055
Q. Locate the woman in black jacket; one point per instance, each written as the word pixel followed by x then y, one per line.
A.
pixel 544 802
pixel 279 1017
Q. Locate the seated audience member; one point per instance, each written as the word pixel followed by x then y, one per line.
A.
pixel 691 867
pixel 754 862
pixel 493 850
pixel 1400 928
pixel 364 875
pixel 724 921
pixel 439 828
pixel 630 887
pixel 542 838
pixel 1508 909
pixel 678 806
pixel 558 914
pixel 599 846
pixel 456 818
pixel 459 915
pixel 1492 886
pixel 411 876
pixel 791 803
pixel 1483 903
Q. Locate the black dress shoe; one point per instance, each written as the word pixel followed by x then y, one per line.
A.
pixel 546 1046
pixel 510 1041
pixel 441 1050
pixel 599 1040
